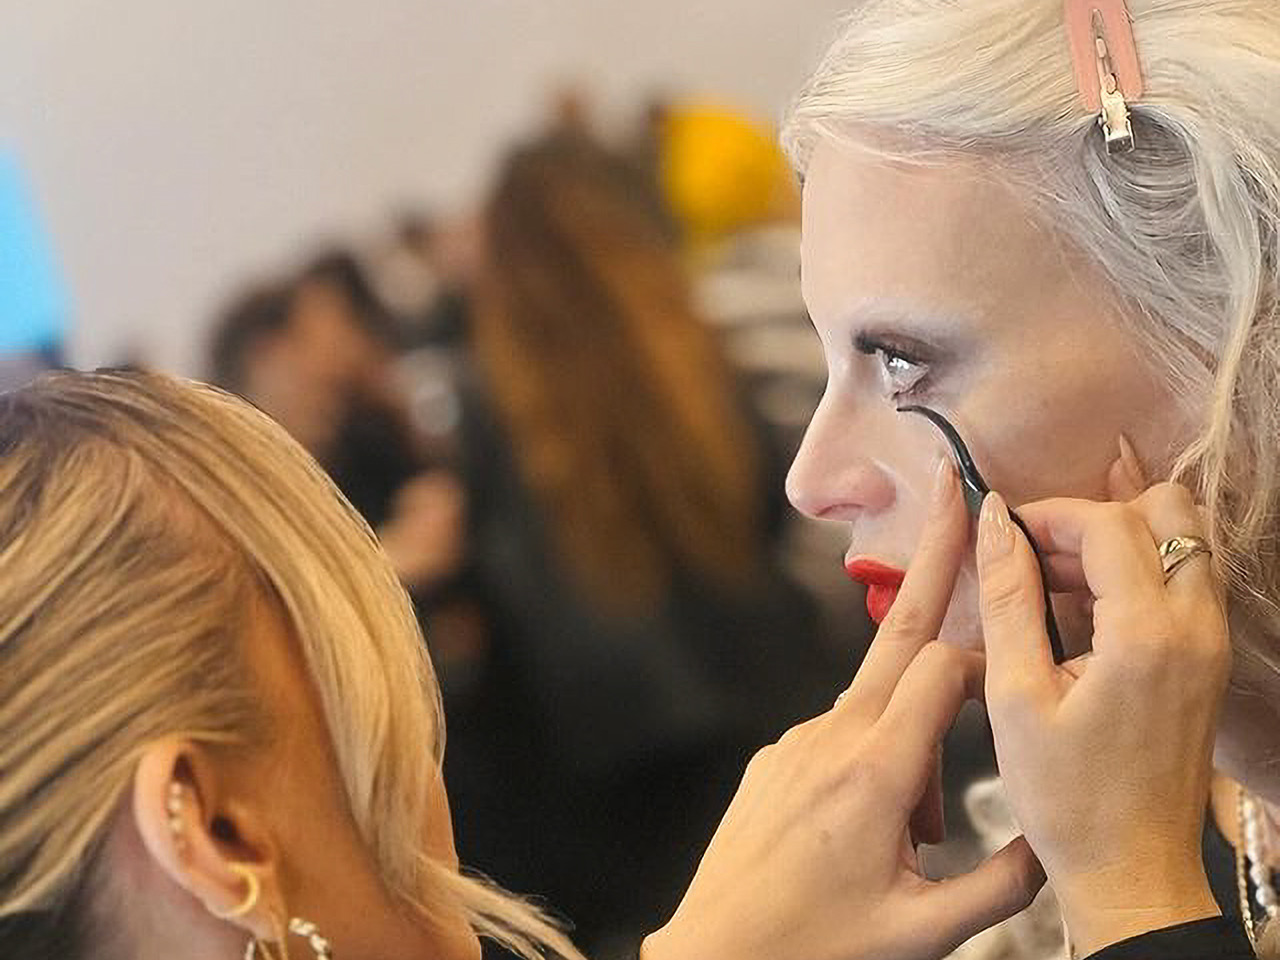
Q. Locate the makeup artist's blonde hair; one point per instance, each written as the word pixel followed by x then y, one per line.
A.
pixel 1185 227
pixel 139 518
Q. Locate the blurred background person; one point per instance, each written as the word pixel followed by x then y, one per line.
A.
pixel 732 200
pixel 624 506
pixel 316 352
pixel 33 300
pixel 423 273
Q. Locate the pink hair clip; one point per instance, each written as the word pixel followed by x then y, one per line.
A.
pixel 1106 65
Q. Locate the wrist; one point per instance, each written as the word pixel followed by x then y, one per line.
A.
pixel 1100 910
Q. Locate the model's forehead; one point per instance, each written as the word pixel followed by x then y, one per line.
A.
pixel 950 238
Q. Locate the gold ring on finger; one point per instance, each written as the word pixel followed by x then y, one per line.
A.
pixel 1176 552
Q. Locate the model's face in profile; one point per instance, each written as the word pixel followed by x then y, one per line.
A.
pixel 934 286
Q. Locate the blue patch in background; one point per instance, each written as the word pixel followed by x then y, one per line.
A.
pixel 33 300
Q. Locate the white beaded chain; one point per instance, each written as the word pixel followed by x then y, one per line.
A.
pixel 300 928
pixel 307 930
pixel 1251 854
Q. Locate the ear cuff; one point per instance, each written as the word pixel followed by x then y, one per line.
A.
pixel 173 806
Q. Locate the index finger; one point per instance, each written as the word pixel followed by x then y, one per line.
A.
pixel 937 683
pixel 922 601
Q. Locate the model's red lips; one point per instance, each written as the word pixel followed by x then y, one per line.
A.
pixel 874 573
pixel 882 583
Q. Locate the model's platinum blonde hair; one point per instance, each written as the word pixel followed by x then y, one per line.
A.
pixel 1184 227
pixel 140 517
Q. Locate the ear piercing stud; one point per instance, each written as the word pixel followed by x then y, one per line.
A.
pixel 173 807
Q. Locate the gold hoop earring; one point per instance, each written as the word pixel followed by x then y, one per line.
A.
pixel 253 891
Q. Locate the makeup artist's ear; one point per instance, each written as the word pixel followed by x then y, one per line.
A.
pixel 212 844
pixel 1126 480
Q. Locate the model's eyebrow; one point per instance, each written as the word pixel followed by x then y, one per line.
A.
pixel 894 321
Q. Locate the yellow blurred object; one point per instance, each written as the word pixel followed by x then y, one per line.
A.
pixel 722 171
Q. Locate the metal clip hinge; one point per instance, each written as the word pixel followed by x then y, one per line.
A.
pixel 1114 119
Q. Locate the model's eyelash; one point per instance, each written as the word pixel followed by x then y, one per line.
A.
pixel 867 344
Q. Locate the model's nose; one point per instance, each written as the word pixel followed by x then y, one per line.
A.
pixel 836 475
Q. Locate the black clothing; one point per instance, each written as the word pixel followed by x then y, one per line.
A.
pixel 1220 867
pixel 1219 938
pixel 595 755
pixel 374 455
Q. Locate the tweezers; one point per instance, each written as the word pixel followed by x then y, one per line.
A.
pixel 975 491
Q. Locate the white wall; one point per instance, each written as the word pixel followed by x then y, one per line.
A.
pixel 175 145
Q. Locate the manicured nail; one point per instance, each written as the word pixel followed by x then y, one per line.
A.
pixel 944 481
pixel 1132 468
pixel 995 530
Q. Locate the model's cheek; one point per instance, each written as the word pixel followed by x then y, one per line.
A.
pixel 913 479
pixel 915 447
pixel 962 626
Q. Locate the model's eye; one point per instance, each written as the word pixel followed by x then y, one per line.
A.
pixel 900 371
pixel 902 374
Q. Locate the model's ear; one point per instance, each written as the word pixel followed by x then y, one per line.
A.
pixel 214 845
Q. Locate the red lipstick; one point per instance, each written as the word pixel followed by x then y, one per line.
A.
pixel 882 582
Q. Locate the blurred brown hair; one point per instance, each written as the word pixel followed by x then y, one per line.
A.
pixel 621 407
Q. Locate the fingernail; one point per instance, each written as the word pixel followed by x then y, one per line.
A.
pixel 1131 465
pixel 944 481
pixel 995 530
